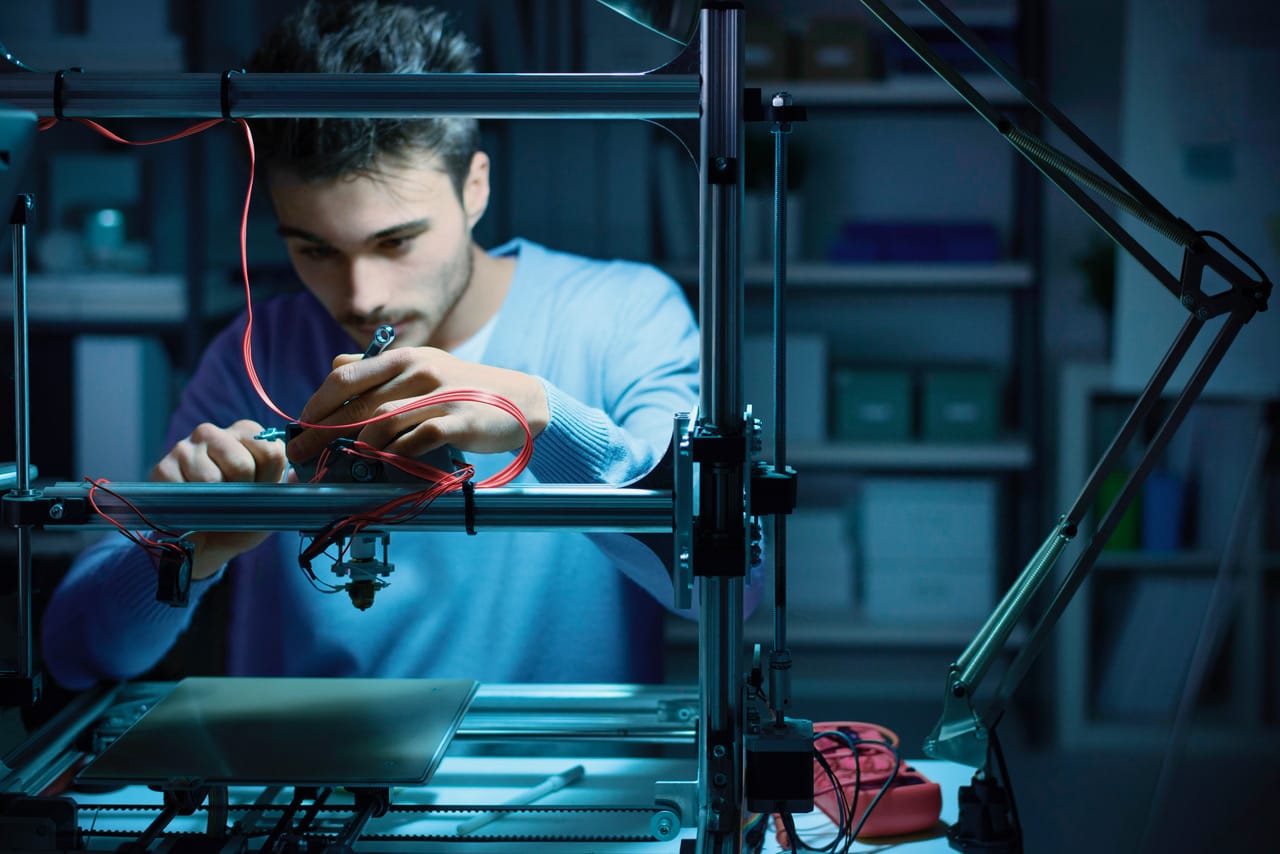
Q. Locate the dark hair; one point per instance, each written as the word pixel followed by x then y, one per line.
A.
pixel 364 36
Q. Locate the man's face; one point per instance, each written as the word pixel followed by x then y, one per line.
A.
pixel 394 247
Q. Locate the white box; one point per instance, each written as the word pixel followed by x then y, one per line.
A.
pixel 819 561
pixel 121 405
pixel 926 548
pixel 806 386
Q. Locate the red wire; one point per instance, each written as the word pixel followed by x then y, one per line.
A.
pixel 145 542
pixel 418 500
pixel 503 477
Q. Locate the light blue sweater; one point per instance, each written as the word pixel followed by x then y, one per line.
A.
pixel 617 349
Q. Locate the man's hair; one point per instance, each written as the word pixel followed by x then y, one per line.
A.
pixel 364 36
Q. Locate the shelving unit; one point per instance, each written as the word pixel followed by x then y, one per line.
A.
pixel 984 311
pixel 1140 611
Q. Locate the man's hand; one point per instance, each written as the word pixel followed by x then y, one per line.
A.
pixel 222 455
pixel 358 389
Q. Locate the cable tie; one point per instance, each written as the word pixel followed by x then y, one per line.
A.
pixel 224 93
pixel 59 80
pixel 469 506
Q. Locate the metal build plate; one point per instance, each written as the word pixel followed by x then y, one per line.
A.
pixel 291 732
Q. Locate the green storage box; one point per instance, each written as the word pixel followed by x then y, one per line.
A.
pixel 959 405
pixel 872 405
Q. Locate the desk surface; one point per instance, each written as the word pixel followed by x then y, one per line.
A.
pixel 492 780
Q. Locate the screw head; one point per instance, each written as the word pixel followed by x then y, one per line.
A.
pixel 718 751
pixel 56 511
pixel 363 471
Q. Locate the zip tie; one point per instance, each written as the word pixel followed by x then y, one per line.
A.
pixel 59 82
pixel 224 93
pixel 469 506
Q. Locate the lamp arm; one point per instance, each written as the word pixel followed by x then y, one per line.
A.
pixel 1066 174
pixel 961 734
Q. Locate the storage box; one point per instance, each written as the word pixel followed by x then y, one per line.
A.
pixel 959 405
pixel 872 404
pixel 766 49
pixel 806 386
pixel 926 548
pixel 819 561
pixel 840 49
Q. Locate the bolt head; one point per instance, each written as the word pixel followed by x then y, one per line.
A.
pixel 56 511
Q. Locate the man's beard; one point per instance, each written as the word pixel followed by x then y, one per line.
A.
pixel 454 281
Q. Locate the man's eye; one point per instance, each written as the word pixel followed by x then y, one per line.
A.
pixel 316 253
pixel 395 244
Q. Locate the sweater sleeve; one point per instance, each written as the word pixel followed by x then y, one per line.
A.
pixel 639 352
pixel 103 621
pixel 641 343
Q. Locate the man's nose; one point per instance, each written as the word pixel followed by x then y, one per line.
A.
pixel 367 288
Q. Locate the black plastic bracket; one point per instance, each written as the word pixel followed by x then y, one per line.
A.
pixel 756 109
pixel 22 206
pixel 38 510
pixel 173 572
pixel 773 492
pixel 712 448
pixel 20 690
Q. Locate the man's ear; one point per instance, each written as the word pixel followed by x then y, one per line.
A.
pixel 475 190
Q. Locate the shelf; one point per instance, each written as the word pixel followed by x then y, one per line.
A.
pixel 923 90
pixel 998 276
pixel 1180 561
pixel 1009 455
pixel 102 298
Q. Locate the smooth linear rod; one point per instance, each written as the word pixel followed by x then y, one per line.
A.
pixel 305 506
pixel 89 94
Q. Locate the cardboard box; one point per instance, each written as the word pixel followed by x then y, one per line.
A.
pixel 959 405
pixel 872 405
pixel 926 548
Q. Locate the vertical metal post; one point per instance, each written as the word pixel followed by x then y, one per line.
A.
pixel 780 656
pixel 22 425
pixel 722 506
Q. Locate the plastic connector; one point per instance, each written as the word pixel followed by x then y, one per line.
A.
pixel 173 572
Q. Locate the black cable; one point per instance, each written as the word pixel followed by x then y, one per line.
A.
pixel 1008 784
pixel 1243 257
pixel 897 766
pixel 789 824
pixel 842 806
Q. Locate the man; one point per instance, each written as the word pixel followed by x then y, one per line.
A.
pixel 378 218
